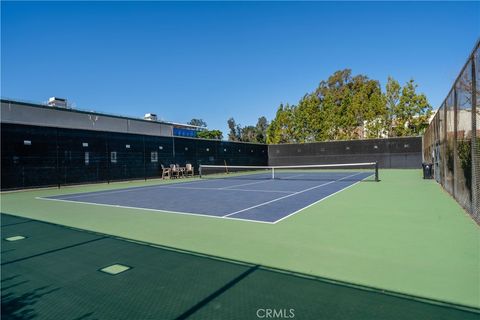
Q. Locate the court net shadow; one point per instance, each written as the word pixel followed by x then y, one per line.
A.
pixel 167 283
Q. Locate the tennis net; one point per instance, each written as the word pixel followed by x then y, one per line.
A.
pixel 346 171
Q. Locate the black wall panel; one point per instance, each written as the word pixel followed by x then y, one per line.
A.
pixel 35 156
pixel 389 153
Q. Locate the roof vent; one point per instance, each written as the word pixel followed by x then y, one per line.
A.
pixel 57 102
pixel 150 116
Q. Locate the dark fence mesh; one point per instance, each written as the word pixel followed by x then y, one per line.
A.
pixel 452 139
pixel 450 142
pixel 389 153
pixel 476 136
pixel 429 145
pixel 158 152
pixel 41 156
pixel 463 137
pixel 23 156
pixel 81 157
pixel 441 145
pixel 207 152
pixel 185 151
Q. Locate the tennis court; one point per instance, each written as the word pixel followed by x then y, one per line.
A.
pixel 368 252
pixel 52 274
pixel 255 194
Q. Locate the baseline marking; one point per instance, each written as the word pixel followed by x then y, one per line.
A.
pixel 155 210
pixel 290 195
pixel 228 216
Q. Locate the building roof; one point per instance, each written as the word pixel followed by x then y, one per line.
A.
pixel 90 112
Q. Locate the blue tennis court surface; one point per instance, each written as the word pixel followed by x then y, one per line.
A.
pixel 251 198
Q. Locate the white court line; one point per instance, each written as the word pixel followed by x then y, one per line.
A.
pixel 223 189
pixel 245 184
pixel 311 204
pixel 166 186
pixel 155 210
pixel 212 216
pixel 290 195
pixel 268 191
pixel 67 197
pixel 101 193
pixel 263 181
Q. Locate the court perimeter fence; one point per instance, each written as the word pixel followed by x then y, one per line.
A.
pixel 403 153
pixel 39 156
pixel 36 156
pixel 452 141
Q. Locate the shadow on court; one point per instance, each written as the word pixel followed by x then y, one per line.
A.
pixel 54 273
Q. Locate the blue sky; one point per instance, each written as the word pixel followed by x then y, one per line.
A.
pixel 215 60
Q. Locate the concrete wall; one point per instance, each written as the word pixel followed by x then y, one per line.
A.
pixel 39 115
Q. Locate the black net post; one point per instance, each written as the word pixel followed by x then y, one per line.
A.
pixel 376 172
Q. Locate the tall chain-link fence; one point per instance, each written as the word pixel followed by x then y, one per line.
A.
pixel 34 156
pixel 452 141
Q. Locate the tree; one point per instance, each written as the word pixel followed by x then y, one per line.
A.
pixel 412 112
pixel 210 134
pixel 351 107
pixel 206 134
pixel 306 118
pixel 375 125
pixel 257 133
pixel 197 122
pixel 342 107
pixel 248 134
pixel 407 112
pixel 392 96
pixel 272 132
pixel 281 129
pixel 261 130
pixel 334 98
pixel 235 130
pixel 368 109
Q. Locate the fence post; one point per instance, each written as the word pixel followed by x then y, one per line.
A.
pixel 475 152
pixel 108 158
pixel 455 144
pixel 445 142
pixel 144 159
pixel 57 161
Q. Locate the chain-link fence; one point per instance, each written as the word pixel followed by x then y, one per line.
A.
pixel 452 140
